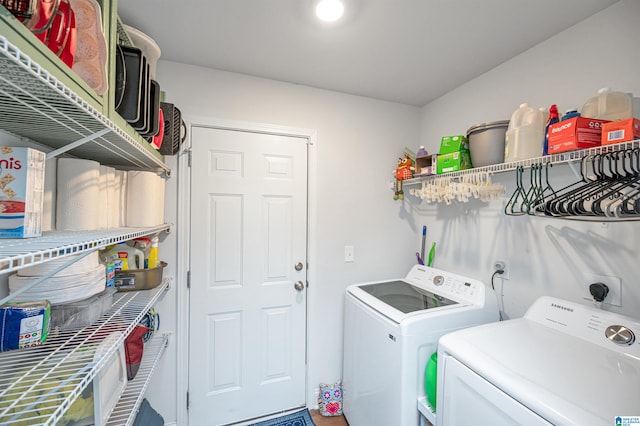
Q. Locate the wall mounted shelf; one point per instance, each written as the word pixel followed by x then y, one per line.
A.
pixel 565 157
pixel 44 101
pixel 16 253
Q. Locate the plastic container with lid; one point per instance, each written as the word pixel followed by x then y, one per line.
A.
pixel 608 105
pixel 570 113
pixel 82 313
pixel 149 47
pixel 486 143
pixel 525 133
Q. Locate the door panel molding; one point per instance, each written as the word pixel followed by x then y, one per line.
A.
pixel 184 197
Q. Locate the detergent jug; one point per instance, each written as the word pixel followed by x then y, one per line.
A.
pixel 525 133
pixel 608 105
pixel 125 257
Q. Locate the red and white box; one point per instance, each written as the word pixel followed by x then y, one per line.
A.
pixel 620 131
pixel 21 192
pixel 575 133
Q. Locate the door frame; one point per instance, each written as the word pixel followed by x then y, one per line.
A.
pixel 183 240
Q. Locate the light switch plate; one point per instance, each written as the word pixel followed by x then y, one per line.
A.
pixel 348 254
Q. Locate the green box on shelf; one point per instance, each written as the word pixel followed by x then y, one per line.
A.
pixel 451 144
pixel 453 162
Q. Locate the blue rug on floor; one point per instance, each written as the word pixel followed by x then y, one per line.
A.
pixel 299 418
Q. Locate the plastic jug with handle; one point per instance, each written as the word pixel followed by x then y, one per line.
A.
pixel 525 134
pixel 608 105
pixel 126 257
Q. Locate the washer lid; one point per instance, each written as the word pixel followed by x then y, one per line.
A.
pixel 559 375
pixel 405 297
pixel 425 290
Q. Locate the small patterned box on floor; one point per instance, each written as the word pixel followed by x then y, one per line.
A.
pixel 330 399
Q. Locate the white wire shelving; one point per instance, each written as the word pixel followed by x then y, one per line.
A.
pixel 34 104
pixel 127 407
pixel 16 254
pixel 38 385
pixel 565 157
pixel 44 102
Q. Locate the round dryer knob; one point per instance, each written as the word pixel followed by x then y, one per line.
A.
pixel 620 335
pixel 438 280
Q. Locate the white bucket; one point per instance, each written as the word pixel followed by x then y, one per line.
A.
pixel 525 135
pixel 149 47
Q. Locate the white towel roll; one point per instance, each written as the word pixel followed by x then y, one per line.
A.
pixel 103 209
pixel 112 201
pixel 145 193
pixel 121 197
pixel 49 204
pixel 78 198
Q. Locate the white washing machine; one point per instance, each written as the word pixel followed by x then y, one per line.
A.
pixel 563 363
pixel 392 328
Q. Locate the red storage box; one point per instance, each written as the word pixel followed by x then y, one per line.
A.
pixel 575 133
pixel 620 131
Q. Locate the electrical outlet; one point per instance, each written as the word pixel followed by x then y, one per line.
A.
pixel 504 265
pixel 615 288
pixel 348 254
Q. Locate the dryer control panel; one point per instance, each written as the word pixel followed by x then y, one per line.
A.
pixel 607 329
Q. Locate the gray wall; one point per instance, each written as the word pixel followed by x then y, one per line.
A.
pixel 547 256
pixel 358 143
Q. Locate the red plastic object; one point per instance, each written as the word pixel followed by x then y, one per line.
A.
pixel 61 37
pixel 42 18
pixel 157 139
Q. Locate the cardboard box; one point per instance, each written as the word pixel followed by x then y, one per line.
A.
pixel 21 192
pixel 575 133
pixel 451 144
pixel 620 131
pixel 424 165
pixel 453 162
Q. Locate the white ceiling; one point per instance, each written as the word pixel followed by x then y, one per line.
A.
pixel 407 51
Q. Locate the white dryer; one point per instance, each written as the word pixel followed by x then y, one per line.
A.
pixel 391 328
pixel 563 363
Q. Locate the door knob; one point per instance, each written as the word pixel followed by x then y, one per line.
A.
pixel 299 285
pixel 299 266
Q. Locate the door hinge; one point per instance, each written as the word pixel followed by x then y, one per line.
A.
pixel 190 156
pixel 187 400
pixel 189 279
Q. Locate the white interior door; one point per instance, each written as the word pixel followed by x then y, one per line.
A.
pixel 247 318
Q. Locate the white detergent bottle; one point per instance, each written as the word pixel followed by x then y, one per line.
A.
pixel 608 105
pixel 524 134
pixel 126 257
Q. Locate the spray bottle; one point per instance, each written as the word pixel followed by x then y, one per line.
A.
pixel 553 118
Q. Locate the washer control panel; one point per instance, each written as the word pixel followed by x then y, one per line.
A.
pixel 454 286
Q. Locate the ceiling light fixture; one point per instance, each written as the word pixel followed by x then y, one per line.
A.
pixel 329 10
